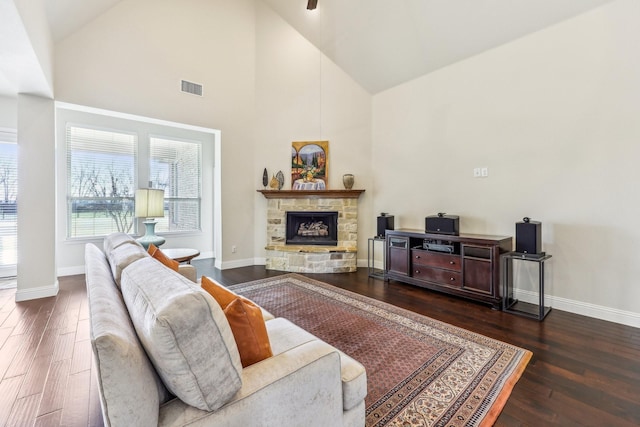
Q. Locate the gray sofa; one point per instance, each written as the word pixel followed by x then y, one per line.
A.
pixel 165 354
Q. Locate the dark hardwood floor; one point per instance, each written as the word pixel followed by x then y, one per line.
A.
pixel 584 372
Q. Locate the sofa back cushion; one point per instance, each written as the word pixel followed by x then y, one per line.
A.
pixel 114 240
pixel 123 255
pixel 184 332
pixel 130 390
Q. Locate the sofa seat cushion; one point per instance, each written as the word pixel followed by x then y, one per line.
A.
pixel 300 387
pixel 285 335
pixel 184 332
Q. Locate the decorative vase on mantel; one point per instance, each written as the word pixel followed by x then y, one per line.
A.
pixel 347 180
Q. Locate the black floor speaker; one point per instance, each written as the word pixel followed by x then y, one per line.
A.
pixel 529 237
pixel 385 222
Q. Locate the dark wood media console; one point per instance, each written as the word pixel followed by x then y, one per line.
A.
pixel 470 270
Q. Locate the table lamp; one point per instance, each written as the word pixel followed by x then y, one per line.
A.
pixel 150 205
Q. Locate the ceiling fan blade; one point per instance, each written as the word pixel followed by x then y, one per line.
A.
pixel 312 4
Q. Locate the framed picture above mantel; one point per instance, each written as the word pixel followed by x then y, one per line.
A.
pixel 309 165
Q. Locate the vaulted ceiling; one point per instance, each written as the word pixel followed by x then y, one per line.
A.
pixel 379 43
pixel 382 43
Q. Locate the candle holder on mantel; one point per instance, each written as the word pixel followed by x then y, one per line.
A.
pixel 348 180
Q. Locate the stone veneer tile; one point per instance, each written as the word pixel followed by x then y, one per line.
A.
pixel 312 259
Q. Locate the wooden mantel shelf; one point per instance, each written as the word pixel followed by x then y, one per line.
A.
pixel 311 194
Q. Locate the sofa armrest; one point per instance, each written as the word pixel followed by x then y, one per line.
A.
pixel 301 386
pixel 188 271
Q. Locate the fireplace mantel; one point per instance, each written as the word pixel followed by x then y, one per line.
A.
pixel 311 194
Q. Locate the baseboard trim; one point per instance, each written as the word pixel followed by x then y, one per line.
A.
pixel 71 271
pixel 624 317
pixel 36 293
pixel 224 265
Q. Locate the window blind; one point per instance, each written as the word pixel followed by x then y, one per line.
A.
pixel 8 198
pixel 101 180
pixel 175 167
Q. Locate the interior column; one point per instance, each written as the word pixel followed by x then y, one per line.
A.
pixel 36 198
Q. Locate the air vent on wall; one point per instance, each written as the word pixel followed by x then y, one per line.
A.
pixel 190 87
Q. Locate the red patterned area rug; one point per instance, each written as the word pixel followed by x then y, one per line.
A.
pixel 420 372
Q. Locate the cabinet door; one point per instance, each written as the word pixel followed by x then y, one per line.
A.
pixel 477 276
pixel 398 255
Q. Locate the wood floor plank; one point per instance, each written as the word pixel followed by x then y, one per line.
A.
pixel 11 347
pixel 4 315
pixel 64 346
pixel 75 411
pixel 54 390
pixel 24 411
pixel 83 330
pixel 15 315
pixel 69 321
pixel 4 335
pixel 48 341
pixel 25 354
pixel 36 378
pixel 51 419
pixel 8 391
pixel 81 360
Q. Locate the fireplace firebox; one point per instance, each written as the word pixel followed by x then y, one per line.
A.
pixel 312 228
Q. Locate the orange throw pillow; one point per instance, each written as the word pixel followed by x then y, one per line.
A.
pixel 221 294
pixel 246 321
pixel 249 331
pixel 160 256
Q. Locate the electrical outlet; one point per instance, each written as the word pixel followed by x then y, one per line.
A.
pixel 234 249
pixel 484 172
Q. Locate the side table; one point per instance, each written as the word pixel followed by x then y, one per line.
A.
pixel 371 258
pixel 181 254
pixel 512 305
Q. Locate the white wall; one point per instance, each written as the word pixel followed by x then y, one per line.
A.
pixel 8 112
pixel 554 117
pixel 131 59
pixel 302 96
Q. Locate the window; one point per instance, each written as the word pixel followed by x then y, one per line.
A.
pixel 105 167
pixel 101 180
pixel 8 200
pixel 175 168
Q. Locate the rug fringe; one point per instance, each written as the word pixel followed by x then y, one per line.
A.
pixel 497 407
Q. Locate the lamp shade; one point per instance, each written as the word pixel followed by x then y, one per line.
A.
pixel 149 203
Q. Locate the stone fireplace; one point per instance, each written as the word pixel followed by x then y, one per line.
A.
pixel 314 249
